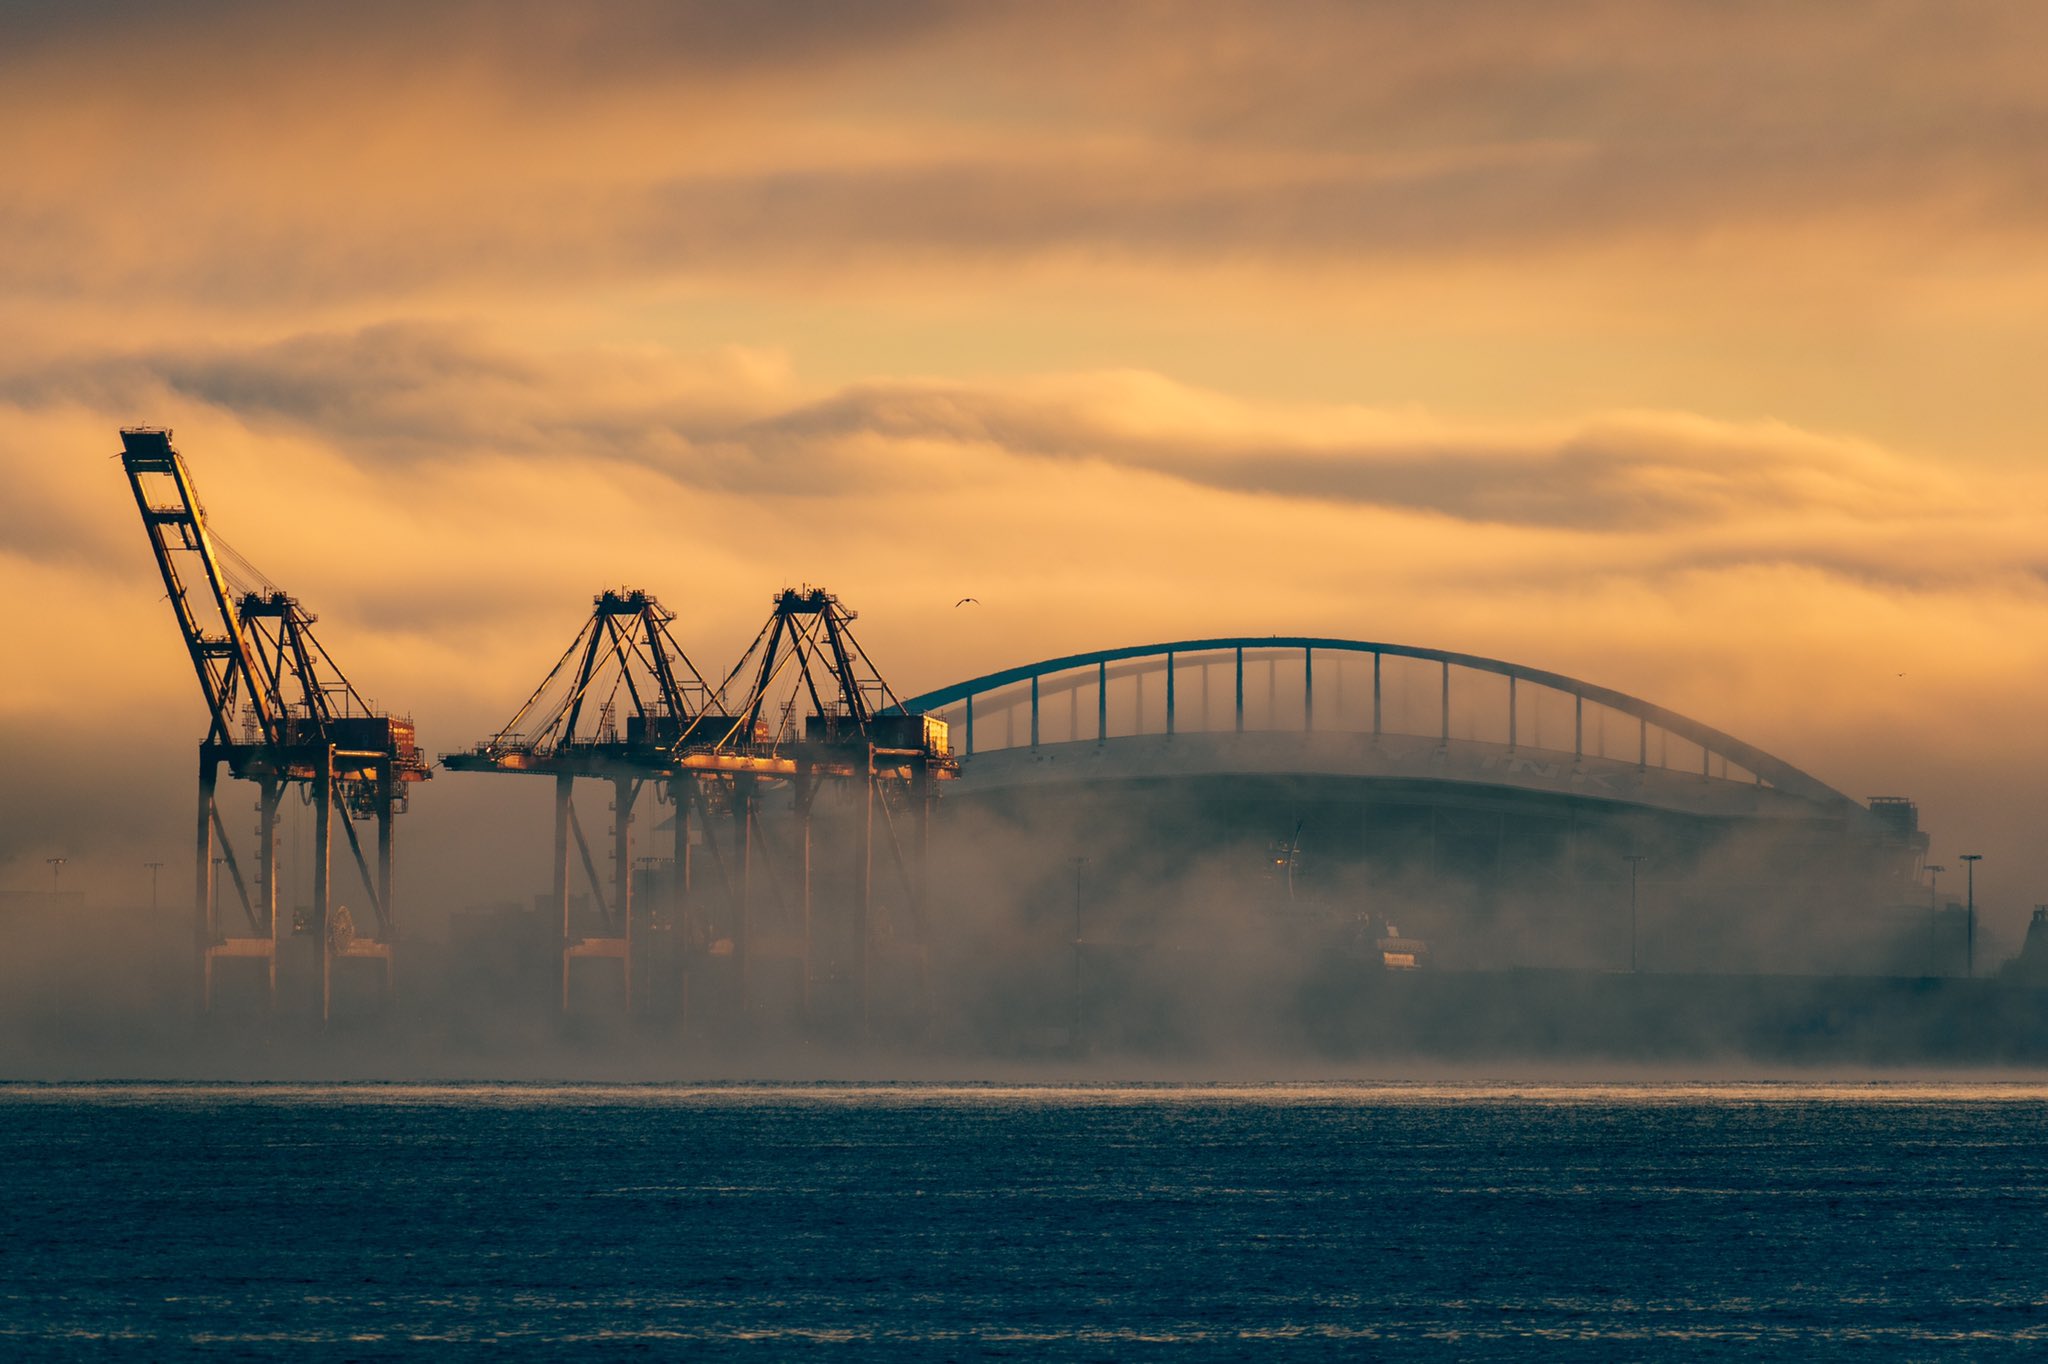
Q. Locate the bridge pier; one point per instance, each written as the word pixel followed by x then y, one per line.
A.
pixel 1169 691
pixel 1240 689
pixel 1308 690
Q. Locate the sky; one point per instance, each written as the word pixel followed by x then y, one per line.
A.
pixel 1691 349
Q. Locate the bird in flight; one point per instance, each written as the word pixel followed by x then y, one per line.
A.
pixel 965 600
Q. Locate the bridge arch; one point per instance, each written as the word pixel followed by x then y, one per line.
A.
pixel 1313 685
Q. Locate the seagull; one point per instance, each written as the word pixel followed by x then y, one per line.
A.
pixel 964 601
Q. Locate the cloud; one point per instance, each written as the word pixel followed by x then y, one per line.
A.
pixel 396 393
pixel 1618 471
pixel 401 394
pixel 527 146
pixel 534 43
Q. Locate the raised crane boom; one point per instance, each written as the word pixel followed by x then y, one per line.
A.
pixel 227 667
pixel 280 713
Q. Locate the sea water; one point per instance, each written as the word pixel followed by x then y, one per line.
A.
pixel 1068 1222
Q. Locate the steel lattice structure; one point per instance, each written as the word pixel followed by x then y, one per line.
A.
pixel 804 710
pixel 280 714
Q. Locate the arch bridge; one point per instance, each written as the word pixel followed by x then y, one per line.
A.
pixel 1308 705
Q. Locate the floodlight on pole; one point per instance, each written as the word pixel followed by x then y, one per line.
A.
pixel 1970 861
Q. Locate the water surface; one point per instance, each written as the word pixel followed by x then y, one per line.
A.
pixel 964 1221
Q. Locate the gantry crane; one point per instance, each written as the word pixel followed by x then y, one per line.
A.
pixel 624 665
pixel 817 709
pixel 281 714
pixel 802 710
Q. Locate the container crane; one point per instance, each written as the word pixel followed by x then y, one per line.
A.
pixel 802 711
pixel 817 711
pixel 281 714
pixel 624 664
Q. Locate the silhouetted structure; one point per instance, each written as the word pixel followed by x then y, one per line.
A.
pixel 803 711
pixel 1503 815
pixel 281 714
pixel 612 709
pixel 1491 806
pixel 2030 967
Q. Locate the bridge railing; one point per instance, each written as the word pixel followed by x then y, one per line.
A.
pixel 1335 686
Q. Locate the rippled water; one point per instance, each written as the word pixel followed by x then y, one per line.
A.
pixel 366 1221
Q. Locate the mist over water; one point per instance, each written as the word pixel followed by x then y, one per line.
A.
pixel 1233 924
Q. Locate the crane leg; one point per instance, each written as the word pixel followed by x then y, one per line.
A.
pixel 387 855
pixel 564 785
pixel 266 876
pixel 323 873
pixel 202 916
pixel 623 791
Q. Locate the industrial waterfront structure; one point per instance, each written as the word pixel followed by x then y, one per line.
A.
pixel 1500 810
pixel 793 894
pixel 280 714
pixel 1288 797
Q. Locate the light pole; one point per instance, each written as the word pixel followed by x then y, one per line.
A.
pixel 1635 862
pixel 1970 861
pixel 154 868
pixel 56 872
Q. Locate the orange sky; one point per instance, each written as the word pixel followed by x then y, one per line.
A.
pixel 1691 349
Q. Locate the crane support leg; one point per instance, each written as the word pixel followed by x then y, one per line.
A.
pixel 387 856
pixel 266 877
pixel 714 843
pixel 810 961
pixel 864 903
pixel 679 898
pixel 921 849
pixel 624 789
pixel 743 926
pixel 203 927
pixel 323 872
pixel 564 785
pixel 921 796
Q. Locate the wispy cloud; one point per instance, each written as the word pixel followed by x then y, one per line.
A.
pixel 1622 471
pixel 1662 491
pixel 730 420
